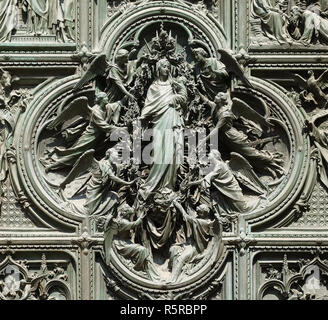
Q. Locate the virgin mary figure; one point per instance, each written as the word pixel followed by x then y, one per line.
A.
pixel 165 98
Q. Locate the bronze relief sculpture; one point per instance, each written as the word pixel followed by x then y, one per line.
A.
pixel 163 149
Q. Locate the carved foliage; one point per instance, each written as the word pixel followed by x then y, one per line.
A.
pixel 18 283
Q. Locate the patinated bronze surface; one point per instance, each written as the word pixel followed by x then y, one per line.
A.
pixel 163 149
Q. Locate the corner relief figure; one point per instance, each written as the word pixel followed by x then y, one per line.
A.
pixel 13 103
pixel 273 20
pixel 8 19
pixel 162 143
pixel 35 20
pixel 289 23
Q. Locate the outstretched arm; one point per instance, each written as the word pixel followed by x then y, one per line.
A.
pixel 126 225
pixel 114 178
pixel 98 119
pixel 194 183
pixel 124 90
pixel 113 76
pixel 182 210
pixel 206 100
pixel 217 128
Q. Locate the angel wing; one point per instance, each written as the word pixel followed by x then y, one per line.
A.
pixel 6 116
pixel 322 81
pixel 77 107
pixel 244 173
pixel 241 109
pixel 97 68
pixel 300 81
pixel 233 66
pixel 84 163
pixel 35 282
pixel 318 115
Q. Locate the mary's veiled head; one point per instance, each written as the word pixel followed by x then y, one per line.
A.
pixel 163 69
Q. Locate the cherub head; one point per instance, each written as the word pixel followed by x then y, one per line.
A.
pixel 101 98
pixel 6 79
pixel 122 56
pixel 125 211
pixel 164 199
pixel 200 54
pixel 203 210
pixel 296 13
pixel 222 99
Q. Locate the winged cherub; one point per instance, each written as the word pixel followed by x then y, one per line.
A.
pixel 114 78
pixel 237 141
pixel 99 117
pixel 212 74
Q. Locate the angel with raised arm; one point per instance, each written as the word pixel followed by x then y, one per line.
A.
pixel 201 234
pixel 114 78
pixel 228 196
pixel 99 127
pixel 212 74
pixel 103 179
pixel 102 183
pixel 237 141
pixel 118 237
pixel 319 137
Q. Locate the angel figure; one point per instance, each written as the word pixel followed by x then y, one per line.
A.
pixel 314 88
pixel 201 234
pixel 99 126
pixel 100 182
pixel 99 187
pixel 314 24
pixel 273 20
pixel 237 141
pixel 118 76
pixel 12 103
pixel 229 197
pixel 8 18
pixel 320 140
pixel 118 237
pixel 213 74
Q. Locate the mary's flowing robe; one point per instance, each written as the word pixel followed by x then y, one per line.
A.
pixel 161 108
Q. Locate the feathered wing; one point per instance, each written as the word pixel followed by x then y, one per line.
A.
pixel 6 116
pixel 85 162
pixel 97 68
pixel 318 115
pixel 241 109
pixel 78 107
pixel 322 81
pixel 233 66
pixel 300 81
pixel 244 173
